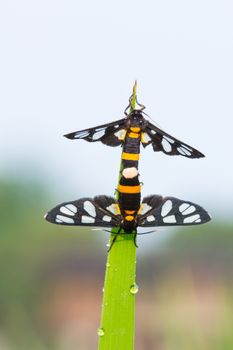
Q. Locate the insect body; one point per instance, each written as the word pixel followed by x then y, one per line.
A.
pixel 127 213
pixel 114 134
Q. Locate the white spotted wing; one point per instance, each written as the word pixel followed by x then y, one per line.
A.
pixel 163 142
pixel 111 134
pixel 101 211
pixel 169 211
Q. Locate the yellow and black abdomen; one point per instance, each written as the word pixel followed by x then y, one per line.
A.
pixel 129 194
pixel 129 186
pixel 131 148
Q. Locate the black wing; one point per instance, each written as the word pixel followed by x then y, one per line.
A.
pixel 169 211
pixel 111 134
pixel 161 141
pixel 102 211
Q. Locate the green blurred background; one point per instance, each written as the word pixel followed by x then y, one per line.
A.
pixel 52 279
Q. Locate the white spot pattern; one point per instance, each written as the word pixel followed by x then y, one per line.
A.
pixel 82 135
pixel 120 134
pixel 186 208
pixel 189 210
pixel 184 151
pixel 113 209
pixel 183 206
pixel 181 151
pixel 144 208
pixel 192 218
pixel 66 210
pixel 72 207
pixel 167 206
pixel 90 208
pixel 130 173
pixel 64 219
pixel 166 145
pixel 59 221
pixel 171 219
pixel 97 135
pixel 145 137
pixel 87 219
pixel 107 218
pixel 150 218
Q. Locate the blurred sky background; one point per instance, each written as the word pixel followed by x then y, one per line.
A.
pixel 70 65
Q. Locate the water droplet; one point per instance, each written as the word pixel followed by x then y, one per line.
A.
pixel 108 245
pixel 103 290
pixel 100 332
pixel 108 265
pixel 134 289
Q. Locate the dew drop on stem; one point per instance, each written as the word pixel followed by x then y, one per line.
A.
pixel 134 289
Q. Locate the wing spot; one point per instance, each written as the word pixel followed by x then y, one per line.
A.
pixel 64 219
pixel 183 207
pixel 171 219
pixel 81 135
pixel 107 218
pixel 114 209
pixel 120 134
pixel 87 219
pixel 150 218
pixel 67 209
pixel 90 208
pixel 166 208
pixel 184 151
pixel 166 145
pixel 181 151
pixel 98 134
pixel 58 221
pixel 145 138
pixel 144 208
pixel 191 219
pixel 72 208
pixel 189 210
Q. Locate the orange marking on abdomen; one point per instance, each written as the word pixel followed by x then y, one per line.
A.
pixel 135 129
pixel 129 189
pixel 133 135
pixel 129 211
pixel 129 218
pixel 130 156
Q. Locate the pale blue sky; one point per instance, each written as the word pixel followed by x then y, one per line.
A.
pixel 68 65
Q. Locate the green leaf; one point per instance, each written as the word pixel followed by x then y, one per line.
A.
pixel 116 331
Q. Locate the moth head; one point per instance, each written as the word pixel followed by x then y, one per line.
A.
pixel 136 117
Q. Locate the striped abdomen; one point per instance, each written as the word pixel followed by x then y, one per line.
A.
pixel 129 186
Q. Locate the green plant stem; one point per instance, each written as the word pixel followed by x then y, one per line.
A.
pixel 116 331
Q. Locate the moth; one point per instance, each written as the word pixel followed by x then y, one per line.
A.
pixel 104 211
pixel 114 134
